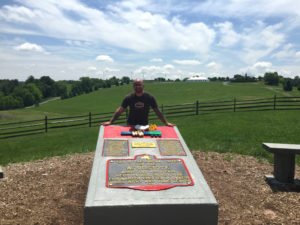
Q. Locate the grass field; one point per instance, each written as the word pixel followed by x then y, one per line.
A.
pixel 240 132
pixel 107 100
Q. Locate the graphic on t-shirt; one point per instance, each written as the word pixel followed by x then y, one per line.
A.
pixel 139 105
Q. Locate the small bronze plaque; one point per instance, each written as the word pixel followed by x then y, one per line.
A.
pixel 170 147
pixel 145 144
pixel 115 148
pixel 146 172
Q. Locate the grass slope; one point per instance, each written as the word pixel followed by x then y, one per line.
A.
pixel 107 100
pixel 240 132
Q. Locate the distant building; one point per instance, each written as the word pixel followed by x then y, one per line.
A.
pixel 197 79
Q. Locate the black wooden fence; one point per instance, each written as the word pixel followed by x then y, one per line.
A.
pixel 15 129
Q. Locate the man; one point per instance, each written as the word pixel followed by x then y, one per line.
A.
pixel 139 104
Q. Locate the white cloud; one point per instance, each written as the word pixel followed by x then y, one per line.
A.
pixel 107 69
pixel 259 41
pixel 228 36
pixel 298 56
pixel 29 47
pixel 104 58
pixel 258 68
pixel 136 29
pixel 260 65
pixel 288 53
pixel 211 64
pixel 169 67
pixel 156 60
pixel 151 72
pixel 92 68
pixel 187 62
pixel 242 9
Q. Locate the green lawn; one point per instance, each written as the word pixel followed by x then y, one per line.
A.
pixel 107 100
pixel 240 132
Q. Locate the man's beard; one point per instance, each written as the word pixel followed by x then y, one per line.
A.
pixel 139 91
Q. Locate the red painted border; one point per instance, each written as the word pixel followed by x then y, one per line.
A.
pixel 172 140
pixel 114 131
pixel 149 187
pixel 115 155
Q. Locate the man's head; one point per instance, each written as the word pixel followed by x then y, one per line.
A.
pixel 138 87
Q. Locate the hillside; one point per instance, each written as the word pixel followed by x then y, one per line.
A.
pixel 239 132
pixel 166 93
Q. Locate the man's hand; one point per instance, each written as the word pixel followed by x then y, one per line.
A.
pixel 117 113
pixel 170 124
pixel 106 123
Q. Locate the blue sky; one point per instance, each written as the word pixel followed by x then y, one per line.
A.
pixel 145 38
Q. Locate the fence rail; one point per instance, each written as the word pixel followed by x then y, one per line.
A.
pixel 22 128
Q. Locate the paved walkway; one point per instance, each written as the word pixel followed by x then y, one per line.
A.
pixel 41 103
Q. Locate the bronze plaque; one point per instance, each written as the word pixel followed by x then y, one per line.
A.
pixel 115 148
pixel 146 172
pixel 170 147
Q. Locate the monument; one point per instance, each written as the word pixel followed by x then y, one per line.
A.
pixel 147 180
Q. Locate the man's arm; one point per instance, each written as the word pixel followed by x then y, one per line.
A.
pixel 162 118
pixel 116 115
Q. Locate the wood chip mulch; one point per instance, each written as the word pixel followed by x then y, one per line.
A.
pixel 53 191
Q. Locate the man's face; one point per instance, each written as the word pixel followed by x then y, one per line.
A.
pixel 138 86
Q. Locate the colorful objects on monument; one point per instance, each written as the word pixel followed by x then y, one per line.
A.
pixel 138 133
pixel 152 127
pixel 141 127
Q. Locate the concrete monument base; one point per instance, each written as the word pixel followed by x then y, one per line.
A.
pixel 160 185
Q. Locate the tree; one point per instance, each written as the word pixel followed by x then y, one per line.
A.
pixel 30 79
pixel 271 78
pixel 125 80
pixel 86 84
pixel 160 79
pixel 7 86
pixel 288 84
pixel 33 89
pixel 296 82
pixel 114 81
pixel 61 90
pixel 76 89
pixel 28 99
pixel 47 86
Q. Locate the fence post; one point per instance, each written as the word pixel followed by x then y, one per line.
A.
pixel 274 102
pixel 234 103
pixel 197 107
pixel 162 108
pixel 46 124
pixel 90 119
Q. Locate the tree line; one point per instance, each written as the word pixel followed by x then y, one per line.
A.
pixel 16 94
pixel 87 85
pixel 269 78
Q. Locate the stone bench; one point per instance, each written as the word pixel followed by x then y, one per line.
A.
pixel 284 161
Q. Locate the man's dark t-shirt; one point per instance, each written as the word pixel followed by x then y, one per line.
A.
pixel 139 107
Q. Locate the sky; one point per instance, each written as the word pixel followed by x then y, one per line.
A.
pixel 147 39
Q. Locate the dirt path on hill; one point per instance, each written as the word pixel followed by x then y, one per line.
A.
pixel 53 191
